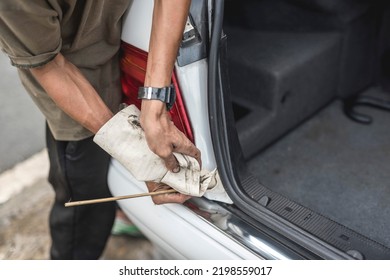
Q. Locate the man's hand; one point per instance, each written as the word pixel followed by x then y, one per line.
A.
pixel 169 18
pixel 165 198
pixel 162 135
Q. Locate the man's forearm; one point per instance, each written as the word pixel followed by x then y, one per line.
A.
pixel 169 18
pixel 72 93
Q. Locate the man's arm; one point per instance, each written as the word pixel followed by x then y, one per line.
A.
pixel 169 18
pixel 71 91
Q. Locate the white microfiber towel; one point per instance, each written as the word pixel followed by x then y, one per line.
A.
pixel 123 138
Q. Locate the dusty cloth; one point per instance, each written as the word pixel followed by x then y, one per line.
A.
pixel 87 33
pixel 123 138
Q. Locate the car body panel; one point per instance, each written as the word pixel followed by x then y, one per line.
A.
pixel 137 24
pixel 174 229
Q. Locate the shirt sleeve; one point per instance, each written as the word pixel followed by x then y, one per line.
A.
pixel 30 32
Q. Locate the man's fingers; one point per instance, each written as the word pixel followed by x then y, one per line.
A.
pixel 165 198
pixel 186 147
pixel 170 198
pixel 164 142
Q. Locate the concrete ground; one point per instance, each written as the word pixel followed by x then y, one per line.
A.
pixel 22 125
pixel 24 233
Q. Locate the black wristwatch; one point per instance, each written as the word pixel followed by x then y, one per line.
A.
pixel 165 94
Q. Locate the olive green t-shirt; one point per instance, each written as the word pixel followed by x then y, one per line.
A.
pixel 86 32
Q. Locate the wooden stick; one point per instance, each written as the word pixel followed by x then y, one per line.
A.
pixel 114 198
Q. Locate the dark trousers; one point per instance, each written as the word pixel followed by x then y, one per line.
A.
pixel 78 171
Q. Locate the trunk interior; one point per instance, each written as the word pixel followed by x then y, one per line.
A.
pixel 309 88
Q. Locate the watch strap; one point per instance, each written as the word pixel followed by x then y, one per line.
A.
pixel 164 94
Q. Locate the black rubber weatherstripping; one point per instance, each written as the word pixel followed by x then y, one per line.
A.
pixel 294 225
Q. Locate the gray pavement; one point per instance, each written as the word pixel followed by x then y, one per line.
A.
pixel 24 232
pixel 21 124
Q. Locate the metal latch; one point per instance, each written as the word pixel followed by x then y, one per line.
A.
pixel 190 34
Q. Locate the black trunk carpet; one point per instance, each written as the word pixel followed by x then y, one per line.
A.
pixel 336 167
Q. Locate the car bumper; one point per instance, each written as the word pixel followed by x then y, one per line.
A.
pixel 200 230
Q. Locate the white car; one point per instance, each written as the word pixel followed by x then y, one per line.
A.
pixel 267 90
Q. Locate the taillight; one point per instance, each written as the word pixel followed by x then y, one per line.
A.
pixel 133 68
